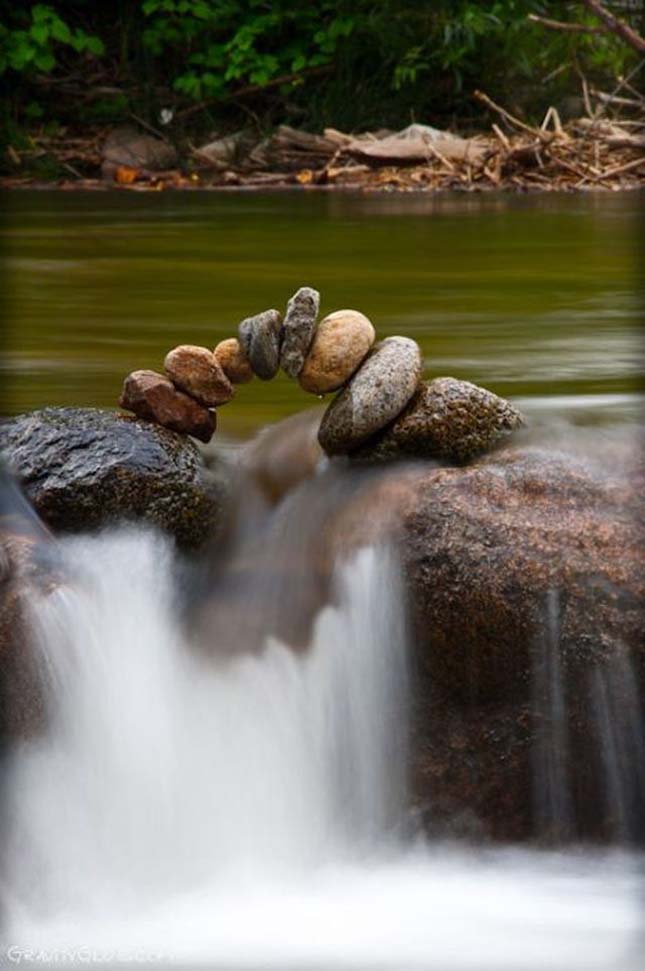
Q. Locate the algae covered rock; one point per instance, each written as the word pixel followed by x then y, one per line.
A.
pixel 377 393
pixel 84 469
pixel 446 419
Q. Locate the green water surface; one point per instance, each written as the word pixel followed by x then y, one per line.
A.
pixel 529 296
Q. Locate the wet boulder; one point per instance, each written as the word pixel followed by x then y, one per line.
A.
pixel 526 582
pixel 84 469
pixel 446 419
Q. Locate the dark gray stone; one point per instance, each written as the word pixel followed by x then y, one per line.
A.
pixel 83 469
pixel 298 329
pixel 260 338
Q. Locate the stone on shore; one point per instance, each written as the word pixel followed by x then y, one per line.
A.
pixel 153 397
pixel 260 340
pixel 446 419
pixel 298 329
pixel 341 343
pixel 84 469
pixel 375 396
pixel 232 359
pixel 196 371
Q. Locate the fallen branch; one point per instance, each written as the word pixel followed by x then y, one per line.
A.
pixel 616 26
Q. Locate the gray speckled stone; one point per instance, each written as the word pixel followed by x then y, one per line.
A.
pixel 84 469
pixel 447 419
pixel 298 329
pixel 377 393
pixel 260 338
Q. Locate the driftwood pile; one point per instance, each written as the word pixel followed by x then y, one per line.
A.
pixel 587 153
pixel 591 152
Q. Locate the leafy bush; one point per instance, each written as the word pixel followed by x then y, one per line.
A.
pixel 352 63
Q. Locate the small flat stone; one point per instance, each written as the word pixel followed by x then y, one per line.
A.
pixel 375 396
pixel 341 343
pixel 196 371
pixel 154 397
pixel 448 419
pixel 260 340
pixel 232 359
pixel 298 329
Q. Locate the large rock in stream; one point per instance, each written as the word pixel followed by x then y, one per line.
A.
pixel 526 579
pixel 84 469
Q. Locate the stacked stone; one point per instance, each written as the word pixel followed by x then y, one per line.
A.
pixel 382 410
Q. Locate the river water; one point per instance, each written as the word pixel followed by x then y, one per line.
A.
pixel 528 296
pixel 249 810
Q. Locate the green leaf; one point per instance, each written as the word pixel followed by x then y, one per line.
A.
pixel 40 33
pixel 45 61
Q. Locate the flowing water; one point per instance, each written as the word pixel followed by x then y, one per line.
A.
pixel 205 794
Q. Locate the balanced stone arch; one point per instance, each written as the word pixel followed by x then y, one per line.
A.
pixel 382 409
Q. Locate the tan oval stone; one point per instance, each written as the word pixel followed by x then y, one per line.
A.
pixel 231 357
pixel 341 343
pixel 196 371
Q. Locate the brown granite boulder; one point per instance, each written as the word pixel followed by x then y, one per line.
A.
pixel 526 580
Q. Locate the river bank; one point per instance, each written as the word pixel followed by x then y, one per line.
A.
pixel 587 154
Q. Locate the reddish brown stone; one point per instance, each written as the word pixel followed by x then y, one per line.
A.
pixel 153 397
pixel 197 371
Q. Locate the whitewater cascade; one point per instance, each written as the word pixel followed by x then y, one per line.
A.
pixel 249 809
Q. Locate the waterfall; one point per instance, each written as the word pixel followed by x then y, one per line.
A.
pixel 247 809
pixel 163 767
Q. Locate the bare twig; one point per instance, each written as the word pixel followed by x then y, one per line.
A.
pixel 562 25
pixel 511 119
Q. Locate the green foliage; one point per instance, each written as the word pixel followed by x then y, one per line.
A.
pixel 34 46
pixel 351 63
